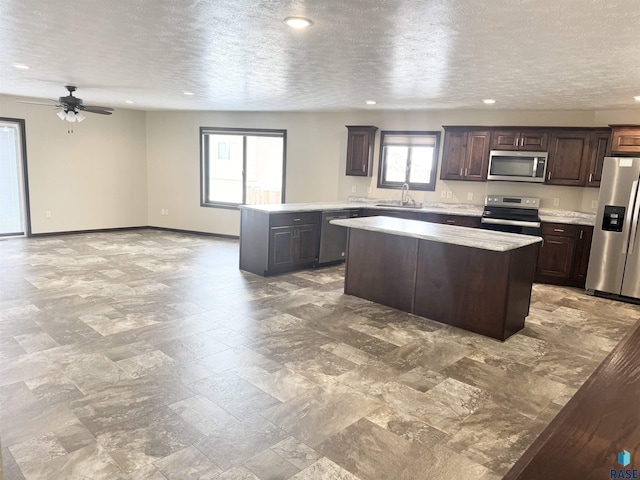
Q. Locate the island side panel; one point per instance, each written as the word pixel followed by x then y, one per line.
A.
pixel 381 268
pixel 521 272
pixel 463 286
pixel 254 241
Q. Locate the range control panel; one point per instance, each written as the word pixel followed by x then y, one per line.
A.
pixel 510 201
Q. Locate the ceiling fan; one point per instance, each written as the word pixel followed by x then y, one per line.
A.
pixel 72 107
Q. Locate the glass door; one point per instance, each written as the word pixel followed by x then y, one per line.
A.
pixel 13 197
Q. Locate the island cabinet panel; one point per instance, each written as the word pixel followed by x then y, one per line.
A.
pixel 569 158
pixel 482 291
pixel 381 268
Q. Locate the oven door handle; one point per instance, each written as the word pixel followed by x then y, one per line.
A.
pixel 515 223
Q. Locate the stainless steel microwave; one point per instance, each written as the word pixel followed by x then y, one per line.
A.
pixel 517 166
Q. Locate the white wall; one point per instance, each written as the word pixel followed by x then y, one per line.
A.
pixel 121 170
pixel 94 178
pixel 316 160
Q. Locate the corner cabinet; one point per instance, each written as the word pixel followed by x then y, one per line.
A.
pixel 564 255
pixel 465 155
pixel 360 143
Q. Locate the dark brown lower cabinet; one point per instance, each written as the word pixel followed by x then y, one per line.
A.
pixel 564 255
pixel 279 242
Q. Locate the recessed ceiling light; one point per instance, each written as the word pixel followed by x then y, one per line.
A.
pixel 488 101
pixel 298 22
pixel 128 101
pixel 637 98
pixel 370 102
pixel 188 94
pixel 20 66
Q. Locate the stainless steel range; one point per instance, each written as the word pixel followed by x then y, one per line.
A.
pixel 511 214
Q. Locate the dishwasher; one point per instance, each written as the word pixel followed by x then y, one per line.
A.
pixel 333 238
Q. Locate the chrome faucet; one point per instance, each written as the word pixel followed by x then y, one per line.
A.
pixel 404 194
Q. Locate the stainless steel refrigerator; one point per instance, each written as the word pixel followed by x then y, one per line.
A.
pixel 614 263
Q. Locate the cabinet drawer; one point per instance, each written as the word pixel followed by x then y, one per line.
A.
pixel 559 229
pixel 292 219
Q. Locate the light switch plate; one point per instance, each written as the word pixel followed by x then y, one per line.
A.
pixel 469 195
pixel 449 194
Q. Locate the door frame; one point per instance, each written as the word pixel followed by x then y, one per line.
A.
pixel 25 172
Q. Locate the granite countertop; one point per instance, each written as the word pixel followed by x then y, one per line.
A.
pixel 466 237
pixel 555 216
pixel 563 216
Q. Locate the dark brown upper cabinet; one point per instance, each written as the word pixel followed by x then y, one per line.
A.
pixel 465 155
pixel 360 142
pixel 519 139
pixel 569 158
pixel 600 148
pixel 625 139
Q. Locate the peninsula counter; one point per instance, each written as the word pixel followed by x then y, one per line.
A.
pixel 477 280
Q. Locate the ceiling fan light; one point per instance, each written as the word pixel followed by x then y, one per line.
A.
pixel 80 117
pixel 62 115
pixel 71 116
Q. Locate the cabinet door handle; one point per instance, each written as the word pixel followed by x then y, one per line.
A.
pixel 465 171
pixel 460 171
pixel 581 234
pixel 549 175
pixel 451 221
pixel 559 230
pixel 590 177
pixel 296 219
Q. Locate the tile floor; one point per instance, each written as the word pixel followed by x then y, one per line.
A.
pixel 148 355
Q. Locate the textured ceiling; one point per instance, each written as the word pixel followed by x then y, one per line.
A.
pixel 405 54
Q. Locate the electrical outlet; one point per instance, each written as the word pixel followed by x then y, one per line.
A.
pixel 47 214
pixel 594 204
pixel 443 194
pixel 556 202
pixel 469 195
pixel 164 211
pixel 449 194
pixel 354 189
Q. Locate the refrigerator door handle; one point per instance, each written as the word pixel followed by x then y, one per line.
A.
pixel 630 216
pixel 634 224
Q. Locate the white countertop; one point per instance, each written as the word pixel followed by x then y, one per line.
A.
pixel 556 216
pixel 467 237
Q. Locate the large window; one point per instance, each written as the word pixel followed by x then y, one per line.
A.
pixel 408 157
pixel 242 166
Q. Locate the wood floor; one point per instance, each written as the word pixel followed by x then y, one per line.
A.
pixel 148 355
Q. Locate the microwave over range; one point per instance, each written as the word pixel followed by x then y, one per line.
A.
pixel 517 166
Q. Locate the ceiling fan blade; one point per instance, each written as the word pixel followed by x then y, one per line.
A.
pixel 39 103
pixel 98 110
pixel 97 107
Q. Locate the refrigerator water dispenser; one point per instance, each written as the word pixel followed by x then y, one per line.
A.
pixel 613 218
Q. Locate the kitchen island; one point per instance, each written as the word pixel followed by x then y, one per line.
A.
pixel 477 280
